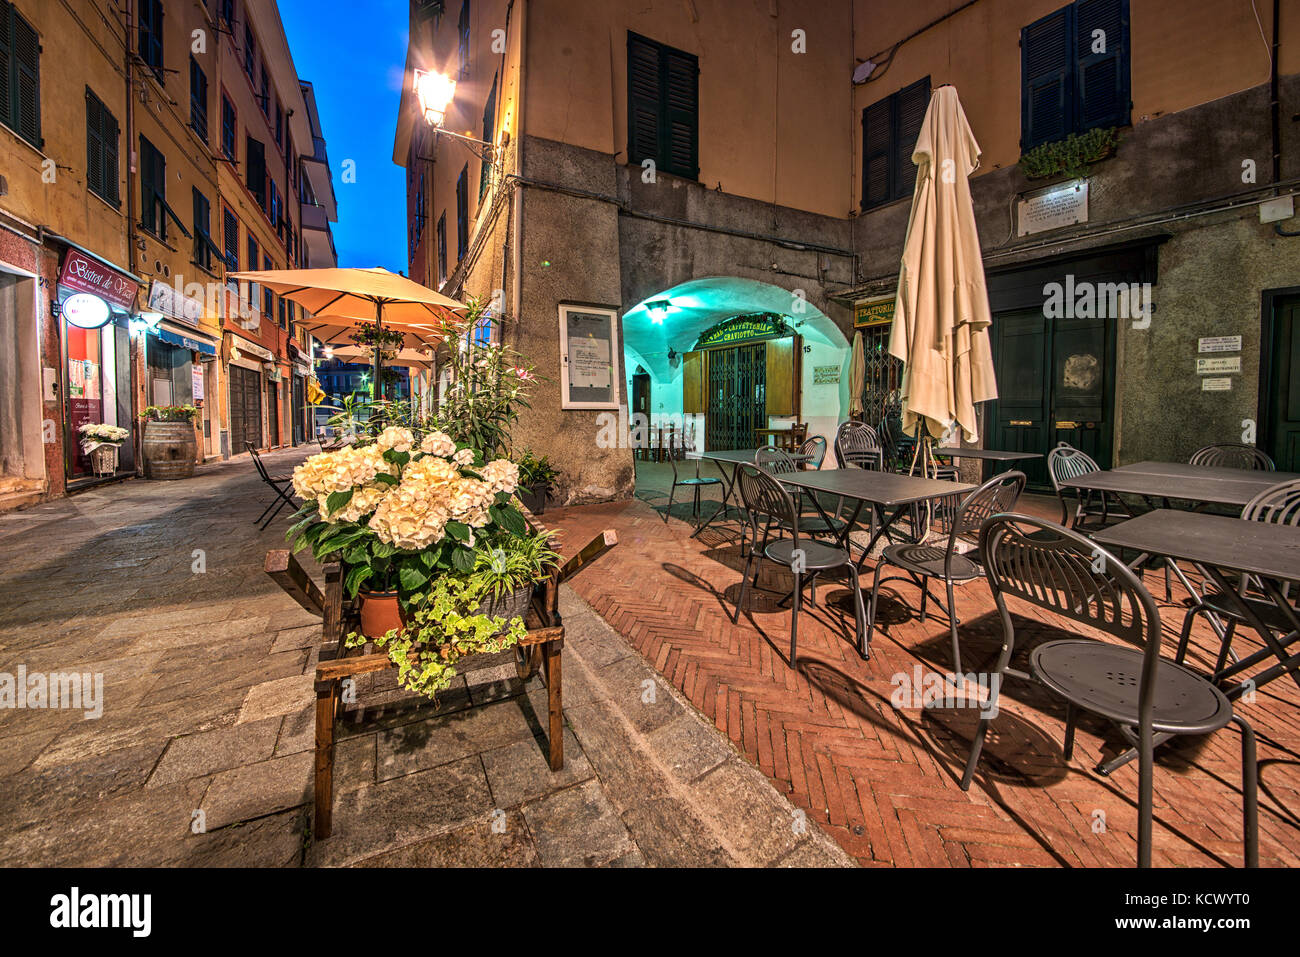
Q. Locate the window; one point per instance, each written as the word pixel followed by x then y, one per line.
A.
pixel 279 127
pixel 420 217
pixel 150 40
pixel 663 107
pixel 101 150
pixel 204 247
pixel 255 155
pixel 442 249
pixel 253 260
pixel 227 127
pixel 265 95
pixel 890 128
pixel 276 210
pixel 226 12
pixel 20 76
pixel 268 297
pixel 462 213
pixel 463 48
pixel 198 100
pixel 1074 68
pixel 250 50
pixel 153 189
pixel 489 127
pixel 230 233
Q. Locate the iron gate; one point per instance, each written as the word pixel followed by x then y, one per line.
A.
pixel 737 396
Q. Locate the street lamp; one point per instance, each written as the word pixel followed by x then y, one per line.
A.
pixel 435 91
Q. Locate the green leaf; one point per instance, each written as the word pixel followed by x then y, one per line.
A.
pixel 337 500
pixel 382 549
pixel 396 457
pixel 509 518
pixel 429 557
pixel 463 560
pixel 412 577
pixel 357 576
pixel 458 530
pixel 386 478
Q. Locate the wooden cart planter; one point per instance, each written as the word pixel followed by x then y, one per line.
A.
pixel 539 649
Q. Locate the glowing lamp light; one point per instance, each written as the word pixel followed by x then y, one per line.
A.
pixel 658 310
pixel 435 92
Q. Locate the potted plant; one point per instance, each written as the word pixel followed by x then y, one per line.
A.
pixel 169 447
pixel 101 444
pixel 536 479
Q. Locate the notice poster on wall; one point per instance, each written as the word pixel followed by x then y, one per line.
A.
pixel 589 357
pixel 196 381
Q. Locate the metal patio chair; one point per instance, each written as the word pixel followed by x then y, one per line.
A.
pixel 280 484
pixel 695 483
pixel 1233 456
pixel 1142 693
pixel 1279 505
pixel 815 447
pixel 1067 462
pixel 920 562
pixel 766 500
pixel 776 462
pixel 857 444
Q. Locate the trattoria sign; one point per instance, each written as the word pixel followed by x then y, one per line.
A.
pixel 83 274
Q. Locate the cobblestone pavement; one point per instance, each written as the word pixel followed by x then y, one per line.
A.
pixel 202 754
pixel 883 781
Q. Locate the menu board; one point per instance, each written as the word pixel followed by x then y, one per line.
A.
pixel 589 357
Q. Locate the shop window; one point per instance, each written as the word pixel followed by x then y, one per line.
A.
pixel 1074 71
pixel 101 151
pixel 890 128
pixel 663 107
pixel 20 75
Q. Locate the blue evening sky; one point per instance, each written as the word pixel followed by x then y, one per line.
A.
pixel 355 63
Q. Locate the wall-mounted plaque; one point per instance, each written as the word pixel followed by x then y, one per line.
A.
pixel 1218 364
pixel 589 357
pixel 1058 206
pixel 1219 344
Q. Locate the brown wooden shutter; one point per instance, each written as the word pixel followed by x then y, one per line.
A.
pixel 26 55
pixel 693 378
pixel 642 99
pixel 783 375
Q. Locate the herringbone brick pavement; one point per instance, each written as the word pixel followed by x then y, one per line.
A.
pixel 883 781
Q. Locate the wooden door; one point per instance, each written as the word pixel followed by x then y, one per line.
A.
pixel 245 409
pixel 641 393
pixel 1281 393
pixel 694 399
pixel 782 387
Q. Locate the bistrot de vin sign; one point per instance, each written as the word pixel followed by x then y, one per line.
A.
pixel 80 273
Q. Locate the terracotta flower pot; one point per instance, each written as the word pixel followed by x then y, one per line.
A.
pixel 380 613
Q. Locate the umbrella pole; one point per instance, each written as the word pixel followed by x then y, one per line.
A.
pixel 375 391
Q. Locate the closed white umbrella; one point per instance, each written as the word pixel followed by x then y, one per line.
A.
pixel 857 376
pixel 942 316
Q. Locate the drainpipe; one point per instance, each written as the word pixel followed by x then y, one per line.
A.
pixel 517 293
pixel 136 350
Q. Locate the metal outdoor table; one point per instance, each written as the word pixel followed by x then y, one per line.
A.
pixel 989 455
pixel 888 495
pixel 1219 543
pixel 735 458
pixel 1183 470
pixel 1150 485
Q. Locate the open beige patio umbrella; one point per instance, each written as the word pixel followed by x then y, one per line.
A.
pixel 342 298
pixel 941 316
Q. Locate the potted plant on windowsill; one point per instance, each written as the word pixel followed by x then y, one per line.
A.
pixel 536 479
pixel 101 444
pixel 169 447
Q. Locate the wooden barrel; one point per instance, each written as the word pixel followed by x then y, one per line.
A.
pixel 169 450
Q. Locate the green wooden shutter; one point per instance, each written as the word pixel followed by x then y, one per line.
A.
pixel 1101 79
pixel 230 234
pixel 911 103
pixel 6 64
pixel 877 123
pixel 109 134
pixel 489 128
pixel 1047 75
pixel 642 99
pixel 26 56
pixel 681 73
pixel 94 143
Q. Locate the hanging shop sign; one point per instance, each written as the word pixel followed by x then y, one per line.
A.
pixel 85 310
pixel 173 303
pixel 873 312
pixel 754 327
pixel 589 354
pixel 83 274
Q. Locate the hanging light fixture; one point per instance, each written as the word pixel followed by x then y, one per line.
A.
pixel 658 310
pixel 435 92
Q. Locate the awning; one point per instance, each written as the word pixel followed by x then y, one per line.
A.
pixel 186 340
